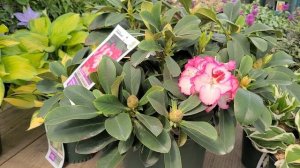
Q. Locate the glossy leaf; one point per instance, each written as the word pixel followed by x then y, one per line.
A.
pixel 57 69
pixel 172 66
pixel 151 123
pixel 246 65
pixel 124 146
pixel 119 127
pixel 111 158
pixel 189 104
pixel 132 79
pixel 149 157
pixel 259 43
pixel 157 100
pixel 106 81
pixel 80 95
pixel 94 144
pixel 281 58
pixel 248 107
pixel 49 104
pixel 172 159
pixel 161 143
pixel 171 85
pixel 149 45
pixel 75 130
pixel 235 51
pixel 62 114
pixel 144 100
pixel 109 105
pixel 258 27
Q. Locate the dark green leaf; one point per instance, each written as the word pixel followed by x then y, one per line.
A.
pixel 248 107
pixel 232 10
pixel 47 86
pixel 172 159
pixel 189 104
pixel 235 51
pixel 259 43
pixel 75 130
pixel 124 146
pixel 151 123
pixel 132 79
pixel 149 45
pixel 80 95
pixel 57 69
pixel 119 127
pixel 144 99
pixel 157 100
pixel 149 157
pixel 280 58
pixel 116 85
pixel 49 104
pixel 106 81
pixel 111 158
pixel 173 67
pixel 66 113
pixel 172 86
pixel 109 105
pixel 161 143
pixel 138 57
pixel 246 65
pixel 94 144
pixel 258 27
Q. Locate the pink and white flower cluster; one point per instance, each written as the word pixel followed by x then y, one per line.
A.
pixel 211 80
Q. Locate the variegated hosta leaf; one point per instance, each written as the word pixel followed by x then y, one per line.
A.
pixel 271 140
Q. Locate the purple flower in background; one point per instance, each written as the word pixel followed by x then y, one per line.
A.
pixel 254 6
pixel 26 16
pixel 250 19
pixel 254 11
pixel 285 7
pixel 234 1
pixel 224 1
pixel 241 12
pixel 291 17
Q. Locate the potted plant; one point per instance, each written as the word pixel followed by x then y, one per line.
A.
pixel 207 72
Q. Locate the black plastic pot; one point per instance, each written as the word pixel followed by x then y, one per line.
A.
pixel 251 156
pixel 72 157
pixel 192 156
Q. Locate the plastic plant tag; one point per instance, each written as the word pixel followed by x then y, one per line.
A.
pixel 117 45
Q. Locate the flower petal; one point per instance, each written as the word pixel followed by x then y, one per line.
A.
pixel 209 94
pixel 185 85
pixel 199 80
pixel 20 17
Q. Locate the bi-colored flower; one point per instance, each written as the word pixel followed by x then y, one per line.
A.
pixel 211 80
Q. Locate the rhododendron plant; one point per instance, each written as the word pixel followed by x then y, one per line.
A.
pixel 211 80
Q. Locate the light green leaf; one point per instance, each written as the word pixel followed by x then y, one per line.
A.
pixel 132 79
pixel 189 104
pixel 161 143
pixel 172 66
pixel 77 38
pixel 2 91
pixel 232 10
pixel 17 68
pixel 62 27
pixel 109 105
pixel 292 154
pixel 62 114
pixel 75 130
pixel 186 4
pixel 259 43
pixel 40 25
pixel 3 29
pixel 172 159
pixel 151 123
pixel 119 127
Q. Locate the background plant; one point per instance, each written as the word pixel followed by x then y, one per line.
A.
pixel 145 88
